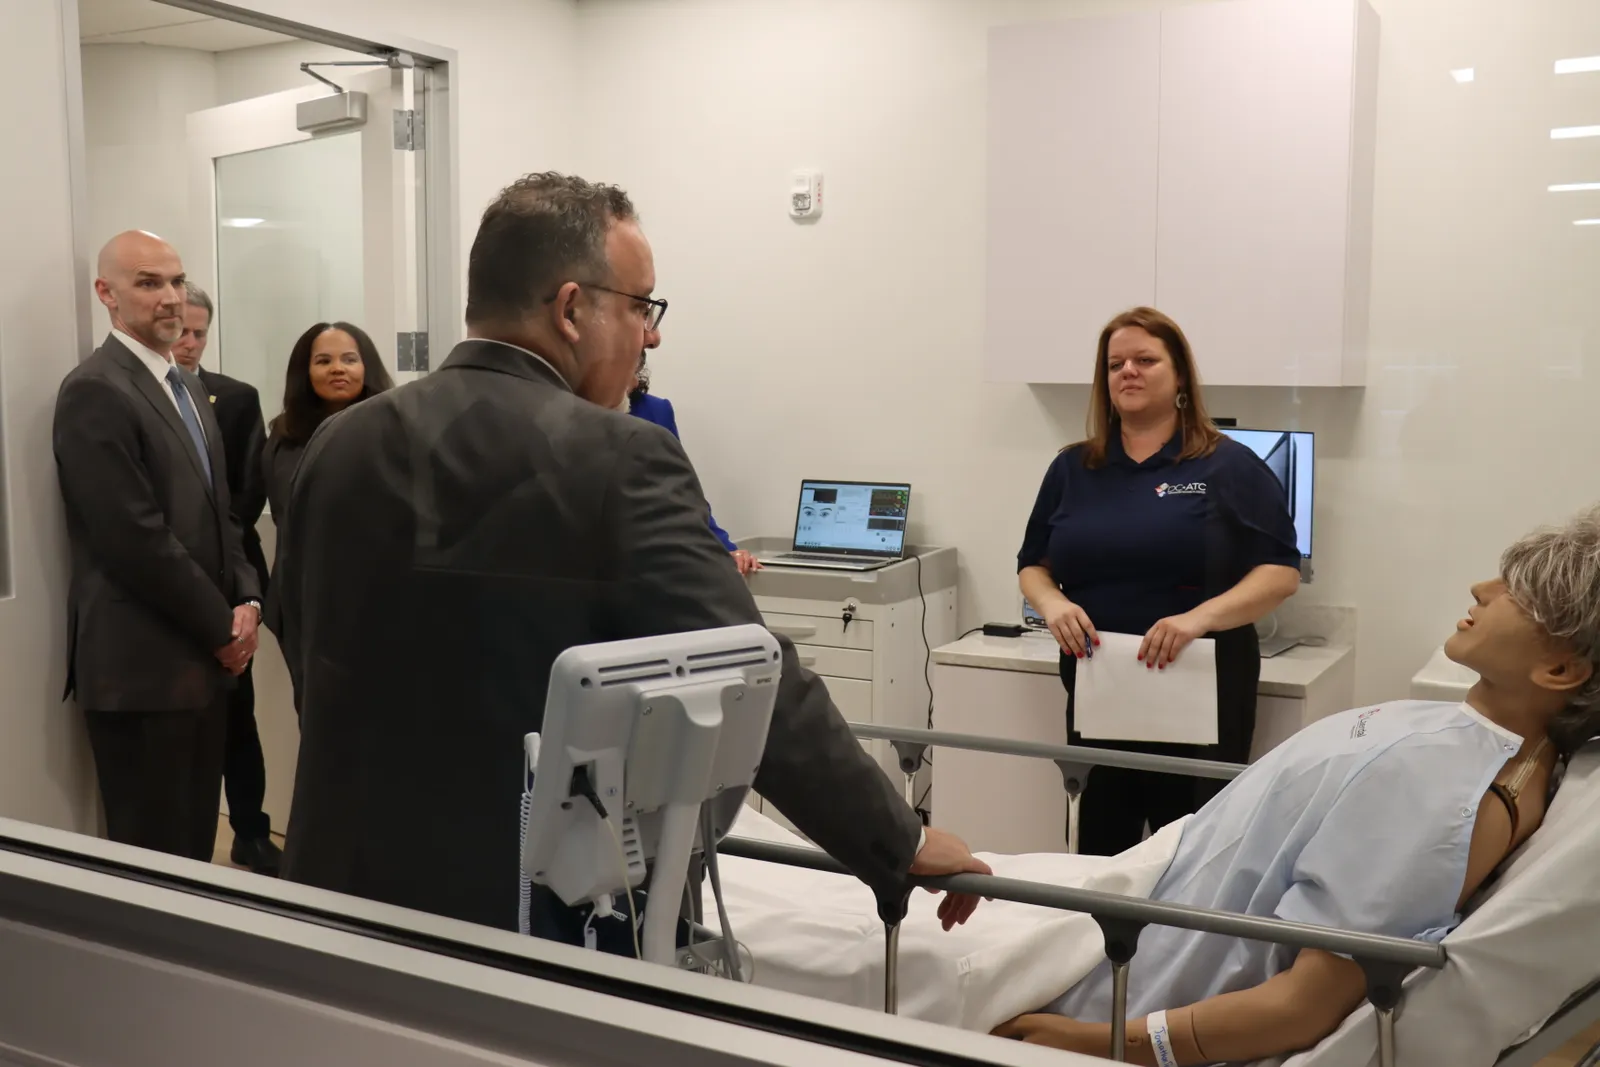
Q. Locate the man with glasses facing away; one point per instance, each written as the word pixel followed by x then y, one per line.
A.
pixel 448 540
pixel 237 406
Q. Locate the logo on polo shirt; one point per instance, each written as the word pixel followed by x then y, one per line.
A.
pixel 1166 489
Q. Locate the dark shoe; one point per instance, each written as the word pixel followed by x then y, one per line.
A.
pixel 259 855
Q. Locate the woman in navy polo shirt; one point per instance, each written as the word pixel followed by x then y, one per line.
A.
pixel 658 410
pixel 1158 525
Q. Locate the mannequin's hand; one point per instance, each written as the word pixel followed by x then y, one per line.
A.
pixel 1054 1031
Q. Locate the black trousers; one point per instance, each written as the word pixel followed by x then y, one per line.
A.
pixel 244 768
pixel 160 776
pixel 1117 803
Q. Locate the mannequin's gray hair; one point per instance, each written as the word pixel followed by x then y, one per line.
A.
pixel 1554 574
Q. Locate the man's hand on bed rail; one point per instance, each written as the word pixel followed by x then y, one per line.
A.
pixel 944 853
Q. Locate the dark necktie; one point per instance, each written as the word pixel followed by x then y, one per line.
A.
pixel 190 419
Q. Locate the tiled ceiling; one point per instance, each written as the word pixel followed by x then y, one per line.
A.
pixel 149 22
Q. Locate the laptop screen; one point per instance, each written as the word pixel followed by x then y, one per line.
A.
pixel 853 518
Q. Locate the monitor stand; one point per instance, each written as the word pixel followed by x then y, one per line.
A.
pixel 1276 646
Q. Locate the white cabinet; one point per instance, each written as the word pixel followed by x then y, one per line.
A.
pixel 1265 205
pixel 863 634
pixel 1213 159
pixel 1073 139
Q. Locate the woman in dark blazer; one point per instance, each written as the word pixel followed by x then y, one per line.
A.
pixel 658 409
pixel 1159 526
pixel 331 366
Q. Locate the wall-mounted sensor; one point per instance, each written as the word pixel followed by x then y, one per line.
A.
pixel 805 194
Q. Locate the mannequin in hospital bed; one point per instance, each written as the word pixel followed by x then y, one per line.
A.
pixel 1384 820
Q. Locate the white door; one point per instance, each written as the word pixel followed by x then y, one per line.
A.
pixel 303 228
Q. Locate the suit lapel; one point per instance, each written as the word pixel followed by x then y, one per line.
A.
pixel 156 394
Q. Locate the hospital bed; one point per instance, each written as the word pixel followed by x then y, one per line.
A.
pixel 1504 979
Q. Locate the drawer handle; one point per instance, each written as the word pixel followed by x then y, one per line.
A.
pixel 793 632
pixel 808 661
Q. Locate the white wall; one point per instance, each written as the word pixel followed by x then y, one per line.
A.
pixel 852 348
pixel 45 774
pixel 134 100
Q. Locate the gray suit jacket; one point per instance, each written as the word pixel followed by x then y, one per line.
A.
pixel 445 541
pixel 157 558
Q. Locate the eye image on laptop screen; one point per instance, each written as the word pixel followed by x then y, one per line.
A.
pixel 852 517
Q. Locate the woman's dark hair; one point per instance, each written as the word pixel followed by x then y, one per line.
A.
pixel 1200 435
pixel 303 410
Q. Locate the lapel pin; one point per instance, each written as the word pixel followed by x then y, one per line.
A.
pixel 212 399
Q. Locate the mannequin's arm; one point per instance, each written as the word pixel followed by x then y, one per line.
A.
pixel 1288 1012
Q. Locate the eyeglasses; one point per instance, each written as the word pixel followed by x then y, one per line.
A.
pixel 655 310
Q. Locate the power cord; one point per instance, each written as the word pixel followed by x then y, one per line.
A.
pixel 927 679
pixel 927 649
pixel 585 788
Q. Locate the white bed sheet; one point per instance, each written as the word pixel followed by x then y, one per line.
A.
pixel 819 935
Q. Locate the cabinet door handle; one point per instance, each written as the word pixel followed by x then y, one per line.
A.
pixel 808 661
pixel 794 632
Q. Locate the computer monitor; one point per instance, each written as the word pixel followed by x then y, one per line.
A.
pixel 852 518
pixel 1291 456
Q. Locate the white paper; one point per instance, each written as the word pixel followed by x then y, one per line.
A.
pixel 1117 698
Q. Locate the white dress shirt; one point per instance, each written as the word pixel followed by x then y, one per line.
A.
pixel 158 365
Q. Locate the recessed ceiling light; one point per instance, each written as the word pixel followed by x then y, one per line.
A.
pixel 1586 222
pixel 1568 133
pixel 1581 65
pixel 1464 75
pixel 1576 187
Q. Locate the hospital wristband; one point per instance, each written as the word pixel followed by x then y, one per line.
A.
pixel 1160 1039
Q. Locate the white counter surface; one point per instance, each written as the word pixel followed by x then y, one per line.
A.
pixel 1289 674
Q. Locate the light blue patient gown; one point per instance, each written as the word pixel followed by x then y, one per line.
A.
pixel 1360 821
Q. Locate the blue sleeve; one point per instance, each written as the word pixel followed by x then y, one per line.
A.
pixel 661 413
pixel 722 535
pixel 1255 504
pixel 1390 855
pixel 669 418
pixel 1036 537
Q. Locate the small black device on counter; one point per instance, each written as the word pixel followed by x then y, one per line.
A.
pixel 1002 629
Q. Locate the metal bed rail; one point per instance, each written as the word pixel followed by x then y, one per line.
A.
pixel 1074 762
pixel 1385 961
pixel 1580 1012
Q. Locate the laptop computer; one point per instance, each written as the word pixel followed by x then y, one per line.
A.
pixel 847 526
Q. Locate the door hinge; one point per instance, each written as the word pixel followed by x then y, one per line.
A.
pixel 407 130
pixel 411 351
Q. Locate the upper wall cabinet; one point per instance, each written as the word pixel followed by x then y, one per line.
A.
pixel 1213 160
